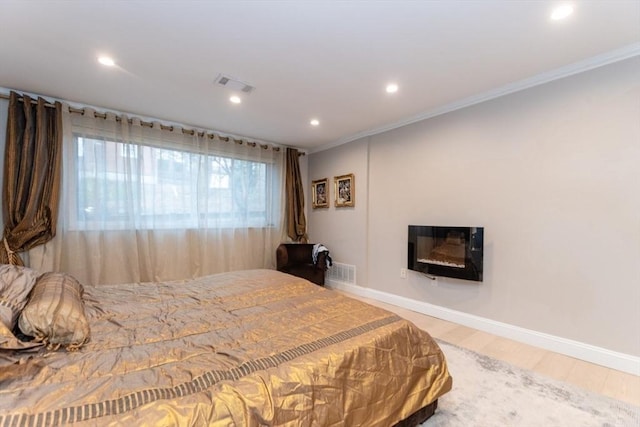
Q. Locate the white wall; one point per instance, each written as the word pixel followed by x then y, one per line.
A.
pixel 552 173
pixel 342 230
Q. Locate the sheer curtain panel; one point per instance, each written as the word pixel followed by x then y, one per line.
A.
pixel 146 202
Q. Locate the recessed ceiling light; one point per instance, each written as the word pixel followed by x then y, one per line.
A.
pixel 105 60
pixel 392 88
pixel 235 99
pixel 314 122
pixel 561 12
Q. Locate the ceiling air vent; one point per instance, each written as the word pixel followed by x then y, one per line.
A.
pixel 233 84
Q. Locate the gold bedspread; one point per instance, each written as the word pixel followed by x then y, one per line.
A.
pixel 249 348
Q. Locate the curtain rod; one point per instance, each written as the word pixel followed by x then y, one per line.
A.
pixel 210 135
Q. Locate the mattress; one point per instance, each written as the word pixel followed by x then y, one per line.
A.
pixel 247 348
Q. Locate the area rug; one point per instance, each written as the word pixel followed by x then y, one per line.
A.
pixel 490 393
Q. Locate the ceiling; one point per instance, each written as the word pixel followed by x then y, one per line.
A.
pixel 329 60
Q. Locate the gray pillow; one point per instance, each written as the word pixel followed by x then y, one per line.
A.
pixel 55 313
pixel 15 284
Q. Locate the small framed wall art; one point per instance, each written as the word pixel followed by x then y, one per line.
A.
pixel 320 193
pixel 345 190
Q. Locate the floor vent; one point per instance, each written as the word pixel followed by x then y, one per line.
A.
pixel 343 273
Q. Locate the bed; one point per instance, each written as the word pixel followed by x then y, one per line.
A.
pixel 247 348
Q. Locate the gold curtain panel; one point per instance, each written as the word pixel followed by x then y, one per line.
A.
pixel 31 185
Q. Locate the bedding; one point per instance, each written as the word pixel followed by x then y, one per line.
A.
pixel 248 348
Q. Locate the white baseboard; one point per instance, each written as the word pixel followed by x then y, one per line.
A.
pixel 590 353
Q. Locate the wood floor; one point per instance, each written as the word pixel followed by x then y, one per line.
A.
pixel 609 382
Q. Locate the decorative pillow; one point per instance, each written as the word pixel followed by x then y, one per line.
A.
pixel 15 284
pixel 55 312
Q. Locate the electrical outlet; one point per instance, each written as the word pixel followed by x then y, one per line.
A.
pixel 403 273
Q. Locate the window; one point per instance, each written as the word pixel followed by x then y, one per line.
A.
pixel 120 185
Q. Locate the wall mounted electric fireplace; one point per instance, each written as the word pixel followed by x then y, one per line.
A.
pixel 446 251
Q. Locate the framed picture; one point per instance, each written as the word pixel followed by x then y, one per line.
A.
pixel 320 193
pixel 345 190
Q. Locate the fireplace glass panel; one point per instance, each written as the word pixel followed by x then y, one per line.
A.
pixel 446 251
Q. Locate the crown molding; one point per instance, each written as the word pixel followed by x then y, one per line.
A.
pixel 610 57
